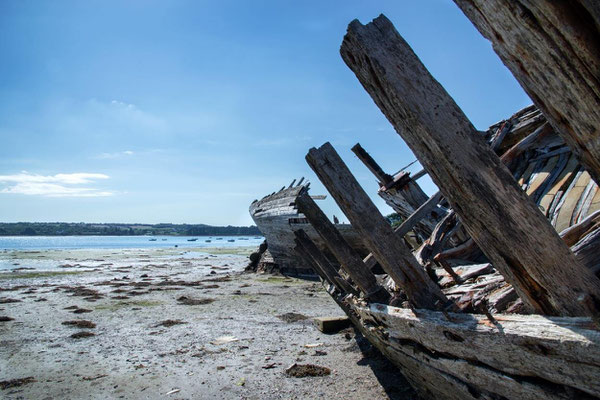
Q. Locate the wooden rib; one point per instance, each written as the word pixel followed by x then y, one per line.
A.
pixel 503 221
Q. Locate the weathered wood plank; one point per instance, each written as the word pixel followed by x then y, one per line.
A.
pixel 553 50
pixel 393 256
pixel 502 220
pixel 317 257
pixel 418 215
pixel 565 351
pixel 350 261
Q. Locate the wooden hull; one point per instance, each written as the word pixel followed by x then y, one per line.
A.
pixel 468 356
pixel 277 218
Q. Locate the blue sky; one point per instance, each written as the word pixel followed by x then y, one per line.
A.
pixel 186 111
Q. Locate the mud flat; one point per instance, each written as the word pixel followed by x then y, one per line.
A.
pixel 139 324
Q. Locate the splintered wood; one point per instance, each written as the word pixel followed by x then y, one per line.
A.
pixel 502 220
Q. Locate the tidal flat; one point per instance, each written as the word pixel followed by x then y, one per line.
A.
pixel 178 324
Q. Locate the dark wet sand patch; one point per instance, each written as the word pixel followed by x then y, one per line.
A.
pixel 16 382
pixel 6 300
pixel 189 301
pixel 82 334
pixel 80 323
pixel 81 311
pixel 304 370
pixel 170 322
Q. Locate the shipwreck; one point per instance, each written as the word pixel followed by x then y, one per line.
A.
pixel 488 289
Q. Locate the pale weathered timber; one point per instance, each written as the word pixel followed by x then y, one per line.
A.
pixel 574 233
pixel 502 220
pixel 277 216
pixel 559 350
pixel 350 261
pixel 418 215
pixel 393 256
pixel 553 50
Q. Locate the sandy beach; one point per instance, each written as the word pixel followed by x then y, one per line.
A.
pixel 176 324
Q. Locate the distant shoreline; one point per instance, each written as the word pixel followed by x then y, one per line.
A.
pixel 121 229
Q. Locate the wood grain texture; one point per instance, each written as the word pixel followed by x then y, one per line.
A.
pixel 553 50
pixel 563 351
pixel 502 220
pixel 391 253
pixel 350 261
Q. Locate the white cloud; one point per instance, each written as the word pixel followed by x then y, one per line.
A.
pixel 53 185
pixel 118 154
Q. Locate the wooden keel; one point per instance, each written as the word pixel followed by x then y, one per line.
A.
pixel 499 216
pixel 553 49
pixel 393 256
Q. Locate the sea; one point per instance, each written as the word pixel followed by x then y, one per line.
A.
pixel 123 242
pixel 38 244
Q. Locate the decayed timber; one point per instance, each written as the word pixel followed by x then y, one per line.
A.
pixel 553 50
pixel 350 261
pixel 277 216
pixel 514 356
pixel 469 174
pixel 403 194
pixel 393 256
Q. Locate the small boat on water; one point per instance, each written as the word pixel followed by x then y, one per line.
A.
pixel 152 240
pixel 208 240
pixel 231 240
pixel 192 240
pixel 219 238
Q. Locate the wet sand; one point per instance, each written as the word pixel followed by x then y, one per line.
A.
pixel 145 324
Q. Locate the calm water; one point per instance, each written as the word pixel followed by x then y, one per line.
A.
pixel 122 242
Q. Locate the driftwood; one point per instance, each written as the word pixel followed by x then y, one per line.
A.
pixel 472 178
pixel 553 50
pixel 393 256
pixel 350 261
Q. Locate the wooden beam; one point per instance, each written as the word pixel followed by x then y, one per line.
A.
pixel 419 175
pixel 408 224
pixel 318 258
pixel 346 255
pixel 553 50
pixel 418 215
pixel 393 256
pixel 499 216
pixel 372 165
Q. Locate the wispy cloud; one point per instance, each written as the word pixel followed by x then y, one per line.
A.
pixel 119 154
pixel 59 185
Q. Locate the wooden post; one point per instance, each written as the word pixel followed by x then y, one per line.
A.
pixel 499 216
pixel 346 255
pixel 372 165
pixel 317 257
pixel 393 256
pixel 553 50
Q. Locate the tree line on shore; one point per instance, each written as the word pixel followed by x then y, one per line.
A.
pixel 88 229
